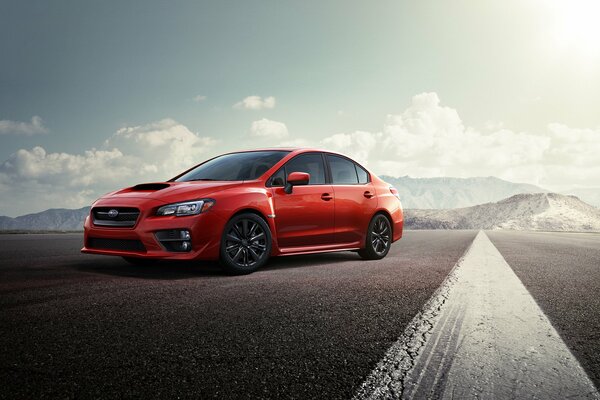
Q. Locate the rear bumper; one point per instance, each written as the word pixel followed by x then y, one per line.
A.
pixel 397 229
pixel 205 230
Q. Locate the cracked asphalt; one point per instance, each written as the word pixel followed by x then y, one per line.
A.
pixel 81 326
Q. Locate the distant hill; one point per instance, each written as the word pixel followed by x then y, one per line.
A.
pixel 55 219
pixel 429 193
pixel 543 211
pixel 537 211
pixel 590 196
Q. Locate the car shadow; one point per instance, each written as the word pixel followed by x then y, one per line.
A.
pixel 309 260
pixel 159 270
pixel 172 270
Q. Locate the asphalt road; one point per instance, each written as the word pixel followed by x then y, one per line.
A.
pixel 562 273
pixel 80 326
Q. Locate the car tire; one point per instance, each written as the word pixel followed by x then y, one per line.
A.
pixel 379 238
pixel 245 244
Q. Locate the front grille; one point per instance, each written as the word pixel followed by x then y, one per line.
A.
pixel 116 244
pixel 125 217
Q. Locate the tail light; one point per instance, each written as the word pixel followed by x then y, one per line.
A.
pixel 394 191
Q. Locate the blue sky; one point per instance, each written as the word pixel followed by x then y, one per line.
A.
pixel 519 79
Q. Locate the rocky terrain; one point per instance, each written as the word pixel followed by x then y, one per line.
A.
pixel 531 211
pixel 56 219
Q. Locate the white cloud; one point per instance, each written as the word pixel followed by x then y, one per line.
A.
pixel 429 139
pixel 35 127
pixel 266 128
pixel 296 142
pixel 255 103
pixel 360 144
pixel 164 145
pixel 199 98
pixel 32 180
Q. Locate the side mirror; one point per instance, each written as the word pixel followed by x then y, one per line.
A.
pixel 294 179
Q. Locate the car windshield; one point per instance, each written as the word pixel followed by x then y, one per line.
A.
pixel 234 167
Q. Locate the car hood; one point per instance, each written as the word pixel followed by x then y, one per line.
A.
pixel 170 192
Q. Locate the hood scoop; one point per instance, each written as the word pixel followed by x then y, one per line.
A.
pixel 144 187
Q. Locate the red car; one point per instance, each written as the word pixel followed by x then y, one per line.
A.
pixel 241 208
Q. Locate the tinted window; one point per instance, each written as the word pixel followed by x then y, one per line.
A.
pixel 311 163
pixel 342 171
pixel 363 176
pixel 278 179
pixel 234 167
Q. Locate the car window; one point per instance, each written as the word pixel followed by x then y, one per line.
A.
pixel 363 176
pixel 278 178
pixel 343 171
pixel 311 163
pixel 242 166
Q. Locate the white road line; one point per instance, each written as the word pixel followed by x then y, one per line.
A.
pixel 480 336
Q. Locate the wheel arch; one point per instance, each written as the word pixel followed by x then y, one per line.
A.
pixel 269 221
pixel 386 214
pixel 248 210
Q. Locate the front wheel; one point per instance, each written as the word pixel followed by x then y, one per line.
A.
pixel 245 245
pixel 379 238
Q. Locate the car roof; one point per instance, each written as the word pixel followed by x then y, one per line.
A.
pixel 294 150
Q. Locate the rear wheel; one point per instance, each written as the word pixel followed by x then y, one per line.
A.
pixel 245 245
pixel 379 238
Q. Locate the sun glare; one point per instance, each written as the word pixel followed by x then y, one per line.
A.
pixel 577 26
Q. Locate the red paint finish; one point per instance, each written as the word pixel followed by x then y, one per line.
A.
pixel 304 217
pixel 313 217
pixel 353 212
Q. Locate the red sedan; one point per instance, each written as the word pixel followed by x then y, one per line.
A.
pixel 242 208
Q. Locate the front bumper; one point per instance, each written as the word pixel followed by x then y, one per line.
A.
pixel 205 229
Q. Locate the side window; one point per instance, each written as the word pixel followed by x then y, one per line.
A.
pixel 363 176
pixel 342 171
pixel 311 163
pixel 278 178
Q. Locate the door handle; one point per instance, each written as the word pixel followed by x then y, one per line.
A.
pixel 326 196
pixel 368 194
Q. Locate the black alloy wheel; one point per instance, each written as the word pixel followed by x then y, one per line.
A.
pixel 246 244
pixel 379 238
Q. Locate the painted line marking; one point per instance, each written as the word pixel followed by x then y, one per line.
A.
pixel 481 335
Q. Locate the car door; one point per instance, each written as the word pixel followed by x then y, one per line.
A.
pixel 355 199
pixel 304 217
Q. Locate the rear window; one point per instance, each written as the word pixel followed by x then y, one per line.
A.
pixel 363 175
pixel 343 171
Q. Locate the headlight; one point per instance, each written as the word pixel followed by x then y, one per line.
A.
pixel 186 208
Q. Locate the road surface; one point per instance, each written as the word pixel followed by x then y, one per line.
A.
pixel 81 326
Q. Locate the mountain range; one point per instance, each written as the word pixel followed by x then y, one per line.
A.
pixel 589 195
pixel 54 219
pixel 429 193
pixel 436 203
pixel 527 211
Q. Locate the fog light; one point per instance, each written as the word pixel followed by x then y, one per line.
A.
pixel 177 240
